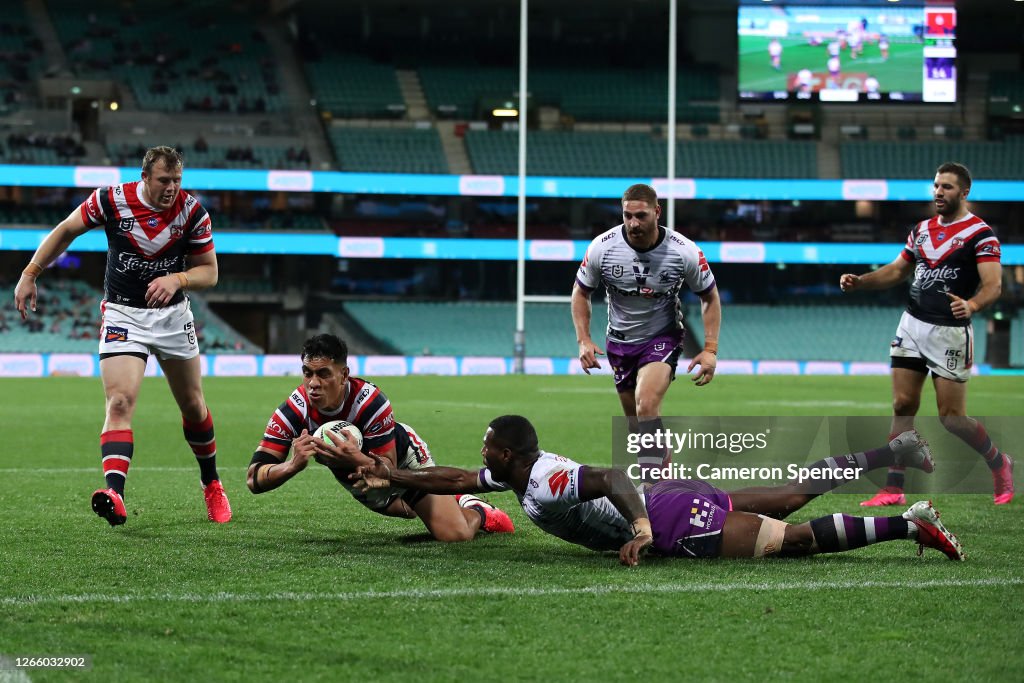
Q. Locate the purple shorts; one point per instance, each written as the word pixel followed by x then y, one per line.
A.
pixel 687 517
pixel 627 359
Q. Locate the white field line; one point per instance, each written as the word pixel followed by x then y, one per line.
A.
pixel 526 592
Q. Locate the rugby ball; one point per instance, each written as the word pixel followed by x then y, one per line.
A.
pixel 339 430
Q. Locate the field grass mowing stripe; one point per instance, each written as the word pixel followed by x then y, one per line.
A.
pixel 445 593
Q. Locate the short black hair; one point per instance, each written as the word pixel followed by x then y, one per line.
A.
pixel 326 346
pixel 515 433
pixel 963 175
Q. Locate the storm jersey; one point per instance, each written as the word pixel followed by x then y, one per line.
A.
pixel 365 406
pixel 643 286
pixel 553 502
pixel 144 242
pixel 946 259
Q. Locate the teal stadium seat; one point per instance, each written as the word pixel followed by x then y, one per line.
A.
pixel 470 328
pixel 221 51
pixel 388 150
pixel 354 86
pixel 918 160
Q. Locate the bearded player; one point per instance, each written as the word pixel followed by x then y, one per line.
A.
pixel 954 258
pixel 644 266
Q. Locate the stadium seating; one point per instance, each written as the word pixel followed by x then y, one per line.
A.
pixel 470 328
pixel 20 57
pixel 224 65
pixel 395 150
pixel 67 320
pixel 1005 93
pixel 753 332
pixel 354 86
pixel 582 93
pixel 827 333
pixel 917 160
pixel 638 154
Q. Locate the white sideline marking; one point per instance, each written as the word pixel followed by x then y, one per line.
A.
pixel 443 593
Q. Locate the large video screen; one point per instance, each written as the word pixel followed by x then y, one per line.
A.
pixel 847 53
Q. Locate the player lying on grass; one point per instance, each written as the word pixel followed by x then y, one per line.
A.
pixel 328 393
pixel 600 508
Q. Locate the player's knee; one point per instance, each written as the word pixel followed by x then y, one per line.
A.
pixel 120 406
pixel 905 404
pixel 194 409
pixel 647 406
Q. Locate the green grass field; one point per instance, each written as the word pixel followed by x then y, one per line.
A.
pixel 305 584
pixel 901 72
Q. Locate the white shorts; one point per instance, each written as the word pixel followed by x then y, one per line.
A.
pixel 947 351
pixel 168 332
pixel 416 456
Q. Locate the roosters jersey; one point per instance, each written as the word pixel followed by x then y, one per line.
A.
pixel 553 502
pixel 365 406
pixel 643 286
pixel 946 259
pixel 144 242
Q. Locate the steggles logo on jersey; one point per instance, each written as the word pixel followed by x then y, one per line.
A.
pixel 927 279
pixel 131 263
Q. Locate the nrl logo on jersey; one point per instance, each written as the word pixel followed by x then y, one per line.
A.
pixel 126 224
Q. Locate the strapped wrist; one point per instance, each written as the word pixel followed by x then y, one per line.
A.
pixel 641 527
pixel 32 270
pixel 182 280
pixel 711 346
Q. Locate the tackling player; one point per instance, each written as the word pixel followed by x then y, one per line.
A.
pixel 643 267
pixel 329 393
pixel 954 258
pixel 600 509
pixel 160 244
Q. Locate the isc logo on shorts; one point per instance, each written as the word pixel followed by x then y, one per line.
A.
pixel 115 334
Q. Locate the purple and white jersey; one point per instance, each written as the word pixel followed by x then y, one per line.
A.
pixel 553 502
pixel 643 286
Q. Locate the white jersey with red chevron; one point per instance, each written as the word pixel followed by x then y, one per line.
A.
pixel 643 286
pixel 552 501
pixel 143 241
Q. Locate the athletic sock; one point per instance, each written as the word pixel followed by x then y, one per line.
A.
pixel 839 532
pixel 833 472
pixel 468 501
pixel 116 446
pixel 199 436
pixel 981 442
pixel 650 457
